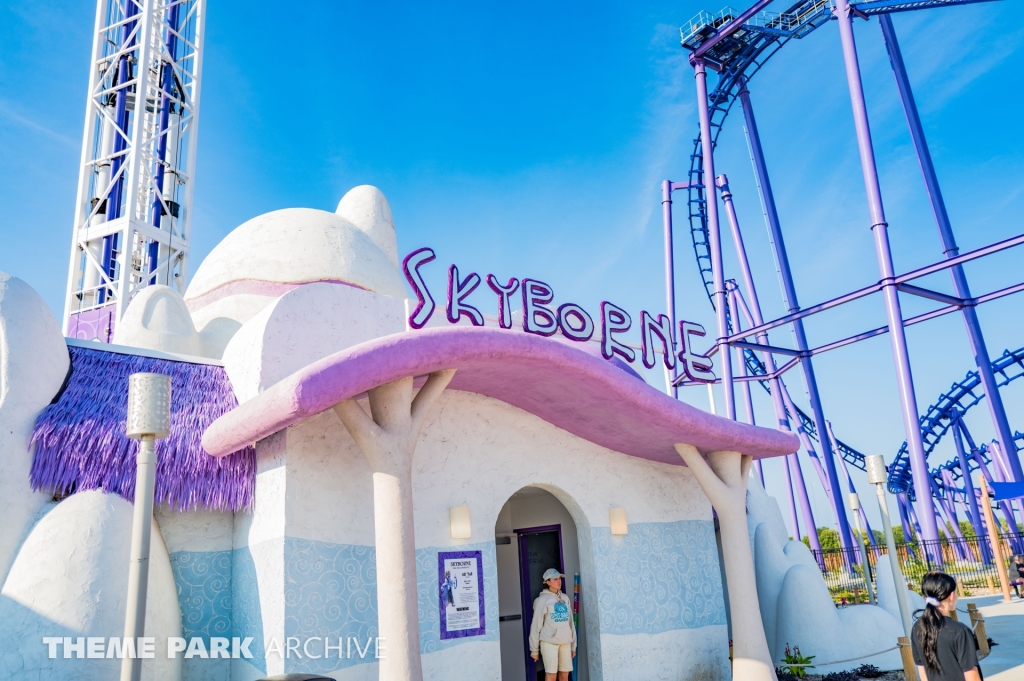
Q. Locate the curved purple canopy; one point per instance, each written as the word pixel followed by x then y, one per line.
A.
pixel 559 383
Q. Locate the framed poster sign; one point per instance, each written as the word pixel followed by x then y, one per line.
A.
pixel 460 579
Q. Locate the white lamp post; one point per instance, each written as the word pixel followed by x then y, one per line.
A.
pixel 149 418
pixel 877 476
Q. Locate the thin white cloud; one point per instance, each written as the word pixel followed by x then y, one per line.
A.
pixel 9 114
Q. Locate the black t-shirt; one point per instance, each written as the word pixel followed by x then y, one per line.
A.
pixel 956 649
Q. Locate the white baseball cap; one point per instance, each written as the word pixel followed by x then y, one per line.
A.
pixel 551 573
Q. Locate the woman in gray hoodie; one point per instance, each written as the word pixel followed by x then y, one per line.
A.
pixel 553 632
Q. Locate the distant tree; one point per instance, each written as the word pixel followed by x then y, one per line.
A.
pixel 897 532
pixel 828 538
pixel 967 529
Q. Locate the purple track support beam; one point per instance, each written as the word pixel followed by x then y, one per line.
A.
pixel 789 294
pixel 748 401
pixel 791 497
pixel 756 318
pixel 904 520
pixel 849 483
pixel 714 235
pixel 801 486
pixel 894 315
pixel 800 490
pixel 977 339
pixel 972 500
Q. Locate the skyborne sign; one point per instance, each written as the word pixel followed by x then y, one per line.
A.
pixel 656 333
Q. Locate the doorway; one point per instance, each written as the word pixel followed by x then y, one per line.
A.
pixel 540 548
pixel 534 532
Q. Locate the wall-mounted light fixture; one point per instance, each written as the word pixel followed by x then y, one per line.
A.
pixel 617 519
pixel 458 518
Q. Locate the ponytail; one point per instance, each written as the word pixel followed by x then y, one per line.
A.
pixel 936 587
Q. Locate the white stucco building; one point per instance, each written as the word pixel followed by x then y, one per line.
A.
pixel 287 516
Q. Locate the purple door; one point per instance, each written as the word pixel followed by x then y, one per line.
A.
pixel 540 548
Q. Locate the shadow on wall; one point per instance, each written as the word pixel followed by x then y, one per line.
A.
pixel 796 607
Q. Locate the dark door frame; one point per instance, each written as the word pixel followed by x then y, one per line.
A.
pixel 524 583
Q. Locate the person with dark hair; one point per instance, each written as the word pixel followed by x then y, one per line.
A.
pixel 1018 564
pixel 943 648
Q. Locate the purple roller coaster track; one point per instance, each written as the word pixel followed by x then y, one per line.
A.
pixel 735 45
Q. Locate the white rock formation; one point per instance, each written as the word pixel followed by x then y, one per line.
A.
pixel 796 607
pixel 887 591
pixel 33 366
pixel 305 325
pixel 71 579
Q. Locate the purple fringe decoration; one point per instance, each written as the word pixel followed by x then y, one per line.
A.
pixel 81 443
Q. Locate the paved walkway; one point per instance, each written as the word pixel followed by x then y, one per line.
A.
pixel 1004 624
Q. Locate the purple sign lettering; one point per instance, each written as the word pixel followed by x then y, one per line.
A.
pixel 458 291
pixel 411 266
pixel 504 299
pixel 540 317
pixel 585 324
pixel 614 320
pixel 536 294
pixel 662 328
pixel 696 366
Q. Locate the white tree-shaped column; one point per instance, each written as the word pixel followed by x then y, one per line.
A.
pixel 388 441
pixel 724 482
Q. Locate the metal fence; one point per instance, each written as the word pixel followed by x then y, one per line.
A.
pixel 968 559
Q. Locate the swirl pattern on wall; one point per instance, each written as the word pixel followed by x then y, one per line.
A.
pixel 330 591
pixel 203 582
pixel 659 577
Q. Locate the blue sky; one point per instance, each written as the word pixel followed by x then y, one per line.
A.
pixel 530 139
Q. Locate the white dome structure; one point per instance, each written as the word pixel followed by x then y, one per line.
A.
pixel 271 253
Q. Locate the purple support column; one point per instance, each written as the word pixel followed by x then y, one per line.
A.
pixel 748 401
pixel 849 482
pixel 879 227
pixel 976 453
pixel 800 488
pixel 782 420
pixel 789 293
pixel 791 498
pixel 811 452
pixel 981 357
pixel 754 318
pixel 972 500
pixel 908 533
pixel 949 521
pixel 670 268
pixel 166 84
pixel 714 236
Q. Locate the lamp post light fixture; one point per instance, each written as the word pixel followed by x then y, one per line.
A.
pixel 855 507
pixel 149 419
pixel 875 466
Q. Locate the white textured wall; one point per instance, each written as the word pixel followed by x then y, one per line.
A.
pixel 476 451
pixel 71 579
pixel 306 324
pixel 33 365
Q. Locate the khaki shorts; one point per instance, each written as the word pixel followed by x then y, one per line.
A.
pixel 557 658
